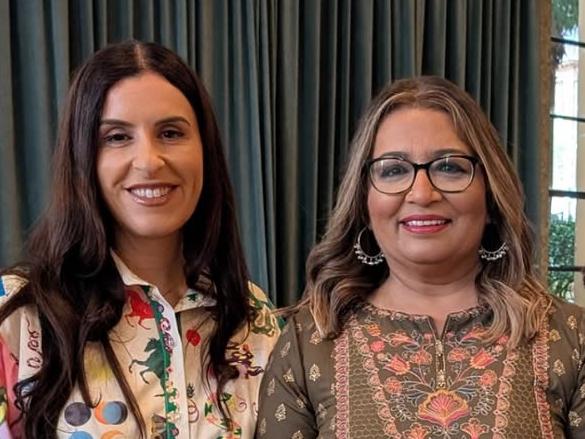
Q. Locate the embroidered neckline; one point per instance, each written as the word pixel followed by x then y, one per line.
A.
pixel 462 315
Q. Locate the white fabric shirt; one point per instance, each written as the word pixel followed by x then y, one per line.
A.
pixel 159 349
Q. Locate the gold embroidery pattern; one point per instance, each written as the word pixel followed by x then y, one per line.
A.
pixel 341 364
pixel 574 419
pixel 503 403
pixel 280 413
pixel 314 373
pixel 288 376
pixel 271 387
pixel 315 338
pixel 575 356
pixel 297 435
pixel 554 335
pixel 285 349
pixel 572 322
pixel 321 411
pixel 559 368
pixel 540 359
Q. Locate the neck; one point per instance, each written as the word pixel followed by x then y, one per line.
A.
pixel 157 261
pixel 427 291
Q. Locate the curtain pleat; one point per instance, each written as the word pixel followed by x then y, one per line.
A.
pixel 289 80
pixel 11 223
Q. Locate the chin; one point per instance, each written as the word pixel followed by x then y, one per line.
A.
pixel 426 257
pixel 153 231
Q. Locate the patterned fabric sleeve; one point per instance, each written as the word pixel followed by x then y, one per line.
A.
pixel 8 412
pixel 576 412
pixel 10 428
pixel 285 411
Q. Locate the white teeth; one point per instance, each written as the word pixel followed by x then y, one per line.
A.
pixel 151 193
pixel 421 223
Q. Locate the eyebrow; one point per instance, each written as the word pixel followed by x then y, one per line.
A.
pixel 124 123
pixel 435 154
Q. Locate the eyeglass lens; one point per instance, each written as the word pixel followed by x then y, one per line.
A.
pixel 448 174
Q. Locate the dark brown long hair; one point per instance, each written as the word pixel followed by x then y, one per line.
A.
pixel 72 278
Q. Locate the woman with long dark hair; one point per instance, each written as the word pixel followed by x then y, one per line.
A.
pixel 132 314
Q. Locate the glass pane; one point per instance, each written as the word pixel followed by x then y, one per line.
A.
pixel 567 98
pixel 567 248
pixel 565 15
pixel 568 155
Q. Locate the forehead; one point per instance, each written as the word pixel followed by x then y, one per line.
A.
pixel 417 133
pixel 146 95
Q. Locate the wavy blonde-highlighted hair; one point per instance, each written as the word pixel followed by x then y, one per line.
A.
pixel 337 281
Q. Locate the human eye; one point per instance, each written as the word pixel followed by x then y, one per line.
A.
pixel 391 169
pixel 452 166
pixel 172 134
pixel 116 138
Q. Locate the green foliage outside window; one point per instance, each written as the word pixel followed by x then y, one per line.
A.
pixel 565 15
pixel 561 253
pixel 565 18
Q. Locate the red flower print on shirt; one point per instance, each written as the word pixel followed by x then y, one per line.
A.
pixel 193 337
pixel 377 346
pixel 400 338
pixel 398 365
pixel 443 407
pixel 488 379
pixel 457 355
pixel 421 357
pixel 481 360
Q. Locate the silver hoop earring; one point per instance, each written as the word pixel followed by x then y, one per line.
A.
pixel 490 256
pixel 361 254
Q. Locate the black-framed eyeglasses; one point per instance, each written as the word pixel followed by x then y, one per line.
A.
pixel 393 175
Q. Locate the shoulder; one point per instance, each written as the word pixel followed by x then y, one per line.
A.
pixel 565 327
pixel 567 317
pixel 302 331
pixel 302 323
pixel 262 323
pixel 10 284
pixel 23 323
pixel 564 340
pixel 258 297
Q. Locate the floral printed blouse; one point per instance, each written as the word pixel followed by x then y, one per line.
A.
pixel 389 375
pixel 159 349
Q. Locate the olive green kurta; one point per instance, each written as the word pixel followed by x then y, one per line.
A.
pixel 390 375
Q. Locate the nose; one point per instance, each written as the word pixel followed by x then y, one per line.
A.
pixel 422 191
pixel 148 156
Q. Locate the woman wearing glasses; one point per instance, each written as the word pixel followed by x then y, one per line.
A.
pixel 423 316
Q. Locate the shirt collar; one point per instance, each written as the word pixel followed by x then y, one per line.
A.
pixel 191 299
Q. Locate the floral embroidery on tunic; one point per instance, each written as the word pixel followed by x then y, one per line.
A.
pixel 389 375
pixel 412 383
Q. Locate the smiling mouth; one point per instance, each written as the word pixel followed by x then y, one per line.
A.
pixel 425 223
pixel 151 193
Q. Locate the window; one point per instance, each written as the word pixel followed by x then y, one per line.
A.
pixel 567 186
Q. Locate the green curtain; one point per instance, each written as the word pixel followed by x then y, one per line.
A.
pixel 289 80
